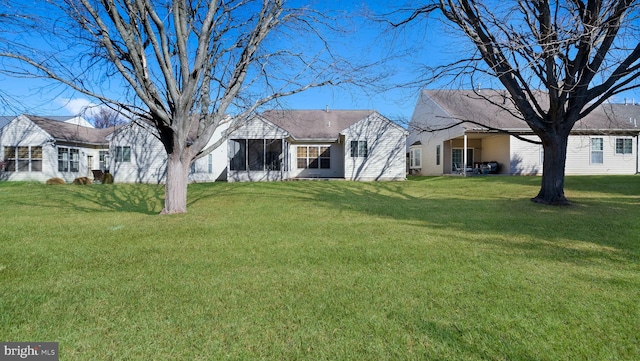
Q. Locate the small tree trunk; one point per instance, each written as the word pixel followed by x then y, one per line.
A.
pixel 175 198
pixel 555 157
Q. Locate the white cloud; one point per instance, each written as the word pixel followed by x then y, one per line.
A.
pixel 79 106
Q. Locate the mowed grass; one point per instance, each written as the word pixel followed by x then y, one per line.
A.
pixel 444 268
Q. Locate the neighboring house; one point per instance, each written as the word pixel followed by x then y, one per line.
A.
pixel 463 132
pixel 36 148
pixel 340 144
pixel 138 156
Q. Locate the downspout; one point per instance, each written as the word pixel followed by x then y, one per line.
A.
pixel 283 160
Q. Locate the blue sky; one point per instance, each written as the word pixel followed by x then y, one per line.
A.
pixel 370 41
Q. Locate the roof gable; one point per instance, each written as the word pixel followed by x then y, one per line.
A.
pixel 315 124
pixel 20 130
pixel 79 121
pixel 377 123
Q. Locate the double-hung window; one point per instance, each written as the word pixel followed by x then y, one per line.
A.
pixel 597 151
pixel 68 159
pixel 103 159
pixel 123 154
pixel 74 155
pixel 23 159
pixel 63 159
pixel 415 158
pixel 624 146
pixel 359 149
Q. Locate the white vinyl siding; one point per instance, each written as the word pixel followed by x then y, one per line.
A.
pixel 359 148
pixel 526 158
pixel 385 157
pixel 136 156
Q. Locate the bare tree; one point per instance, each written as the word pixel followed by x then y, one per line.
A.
pixel 106 118
pixel 185 64
pixel 579 53
pixel 10 19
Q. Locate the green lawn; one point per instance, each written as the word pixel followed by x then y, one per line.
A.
pixel 445 268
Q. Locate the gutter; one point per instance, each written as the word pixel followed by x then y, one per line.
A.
pixel 78 143
pixel 315 140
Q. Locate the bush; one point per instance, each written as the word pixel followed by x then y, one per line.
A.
pixel 82 180
pixel 107 178
pixel 52 181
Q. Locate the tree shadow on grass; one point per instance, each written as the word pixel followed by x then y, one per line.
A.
pixel 200 192
pixel 577 233
pixel 137 198
pixel 624 185
pixel 609 184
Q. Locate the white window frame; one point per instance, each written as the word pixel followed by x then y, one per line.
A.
pixel 63 159
pixel 593 151
pixel 470 157
pixel 122 154
pixel 321 161
pixel 415 158
pixel 625 141
pixel 359 149
pixel 19 161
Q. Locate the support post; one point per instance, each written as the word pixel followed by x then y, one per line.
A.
pixel 464 157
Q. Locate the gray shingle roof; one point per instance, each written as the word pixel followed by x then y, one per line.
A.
pixel 315 124
pixel 478 107
pixel 70 132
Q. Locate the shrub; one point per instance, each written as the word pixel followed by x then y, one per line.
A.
pixel 107 178
pixel 82 180
pixel 52 181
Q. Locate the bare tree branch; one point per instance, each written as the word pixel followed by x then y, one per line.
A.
pixel 185 65
pixel 579 53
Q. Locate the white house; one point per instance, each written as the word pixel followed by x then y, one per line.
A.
pixel 36 148
pixel 138 156
pixel 462 132
pixel 275 145
pixel 342 144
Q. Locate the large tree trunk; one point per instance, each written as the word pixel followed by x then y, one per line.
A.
pixel 555 156
pixel 175 198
